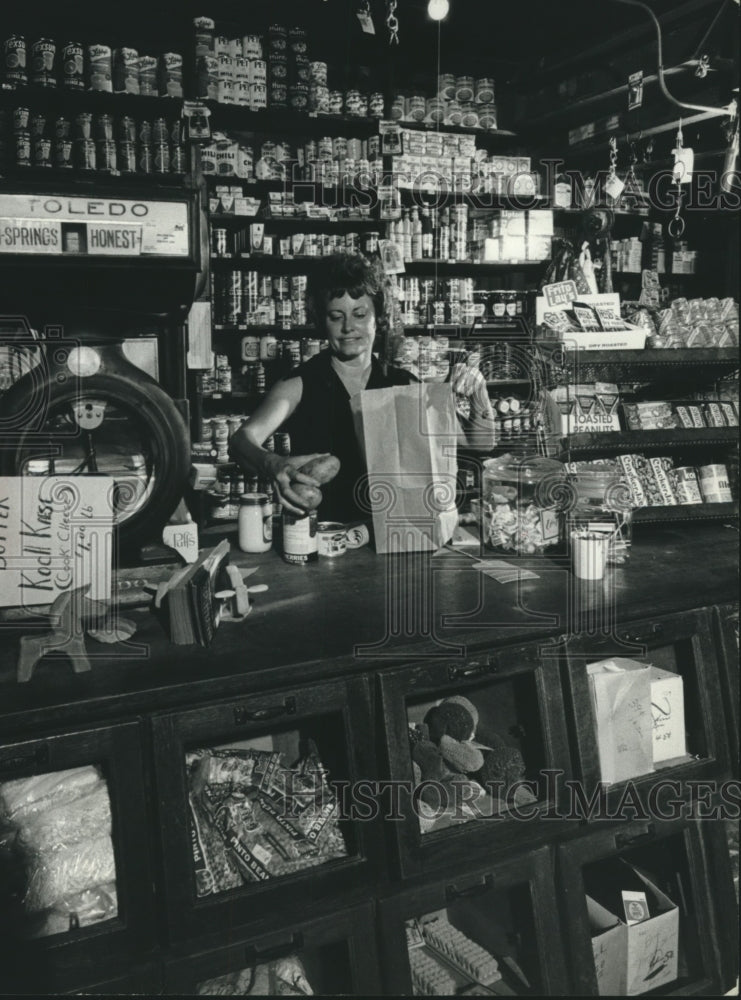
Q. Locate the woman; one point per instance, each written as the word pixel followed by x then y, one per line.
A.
pixel 348 299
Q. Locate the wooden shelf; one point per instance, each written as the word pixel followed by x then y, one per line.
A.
pixel 714 357
pixel 686 512
pixel 638 441
pixel 456 266
pixel 59 100
pixel 291 221
pixel 238 118
pixel 495 135
pixel 477 199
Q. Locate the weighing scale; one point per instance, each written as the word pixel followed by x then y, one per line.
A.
pixel 102 274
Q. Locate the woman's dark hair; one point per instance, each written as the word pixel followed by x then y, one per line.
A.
pixel 356 275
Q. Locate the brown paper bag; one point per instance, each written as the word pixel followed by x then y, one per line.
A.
pixel 408 436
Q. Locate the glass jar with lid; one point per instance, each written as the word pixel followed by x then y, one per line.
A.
pixel 523 503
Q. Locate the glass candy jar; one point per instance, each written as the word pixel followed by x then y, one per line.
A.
pixel 523 504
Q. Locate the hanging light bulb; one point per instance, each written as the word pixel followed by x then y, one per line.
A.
pixel 438 9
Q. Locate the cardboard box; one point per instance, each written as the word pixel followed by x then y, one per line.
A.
pixel 540 223
pixel 621 700
pixel 636 958
pixel 667 710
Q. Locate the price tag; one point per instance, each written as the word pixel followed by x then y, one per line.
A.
pixel 366 22
pixel 684 161
pixel 614 187
pixel 635 90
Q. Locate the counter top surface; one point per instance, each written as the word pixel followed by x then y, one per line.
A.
pixel 365 612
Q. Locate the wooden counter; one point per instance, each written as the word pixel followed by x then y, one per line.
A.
pixel 363 612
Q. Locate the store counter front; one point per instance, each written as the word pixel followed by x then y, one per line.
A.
pixel 363 612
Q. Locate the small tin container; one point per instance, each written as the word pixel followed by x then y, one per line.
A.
pixel 23 149
pixel 63 154
pixel 21 119
pixel 85 154
pixel 331 539
pixel 714 484
pixel 126 157
pixel 686 485
pixel 43 62
pixel 464 89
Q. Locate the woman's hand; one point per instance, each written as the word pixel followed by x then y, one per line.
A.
pixel 283 472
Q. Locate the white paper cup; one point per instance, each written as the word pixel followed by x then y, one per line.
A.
pixel 589 554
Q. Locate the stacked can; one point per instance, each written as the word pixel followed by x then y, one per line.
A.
pixel 277 60
pixel 318 89
pixel 299 72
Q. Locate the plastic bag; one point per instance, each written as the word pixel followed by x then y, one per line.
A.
pixel 23 797
pixel 83 819
pixel 68 870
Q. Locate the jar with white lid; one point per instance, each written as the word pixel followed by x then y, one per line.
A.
pixel 255 523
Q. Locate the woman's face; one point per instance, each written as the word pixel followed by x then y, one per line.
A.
pixel 351 326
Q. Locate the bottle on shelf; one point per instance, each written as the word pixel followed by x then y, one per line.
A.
pixel 427 234
pixel 416 247
pixel 406 232
pixel 444 235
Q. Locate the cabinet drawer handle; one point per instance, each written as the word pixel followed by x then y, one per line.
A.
pixel 242 714
pixel 15 758
pixel 656 630
pixel 452 892
pixel 259 955
pixel 647 832
pixel 475 668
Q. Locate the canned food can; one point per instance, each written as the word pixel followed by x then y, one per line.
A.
pixel 335 102
pixel 178 159
pixel 204 35
pixel 318 73
pixel 100 68
pixel 310 347
pixel 331 539
pixel 148 76
pixel 464 89
pixel 484 89
pixel 435 111
pixel 278 37
pixel 63 153
pixel 687 486
pixel 278 69
pixel 298 97
pixel 469 115
pixel 252 46
pixel 14 61
pixel 297 40
pixel 446 86
pixel 126 152
pixel 73 66
pixel 170 82
pixel 125 71
pixel 277 94
pixel 454 113
pixel 144 132
pixel 85 154
pixel 714 484
pixel 23 149
pixel 376 105
pixel 43 63
pixel 37 124
pixel 300 543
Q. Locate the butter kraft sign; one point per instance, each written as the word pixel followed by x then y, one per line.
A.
pixel 56 534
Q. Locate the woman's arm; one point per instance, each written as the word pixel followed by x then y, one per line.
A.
pixel 246 449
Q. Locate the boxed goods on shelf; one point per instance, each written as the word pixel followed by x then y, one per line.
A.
pixel 690 323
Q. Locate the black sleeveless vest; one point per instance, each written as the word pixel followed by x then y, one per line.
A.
pixel 323 422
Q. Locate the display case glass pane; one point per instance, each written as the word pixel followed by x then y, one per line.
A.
pixel 647 711
pixel 57 861
pixel 478 754
pixel 476 946
pixel 322 971
pixel 267 806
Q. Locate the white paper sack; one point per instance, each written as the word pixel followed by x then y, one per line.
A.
pixel 408 436
pixel 621 696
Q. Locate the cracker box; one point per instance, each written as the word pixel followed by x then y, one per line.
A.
pixel 667 710
pixel 621 700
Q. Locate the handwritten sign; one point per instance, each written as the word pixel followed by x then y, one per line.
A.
pixel 55 535
pixel 562 293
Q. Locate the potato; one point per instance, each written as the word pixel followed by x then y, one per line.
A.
pixel 322 469
pixel 309 496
